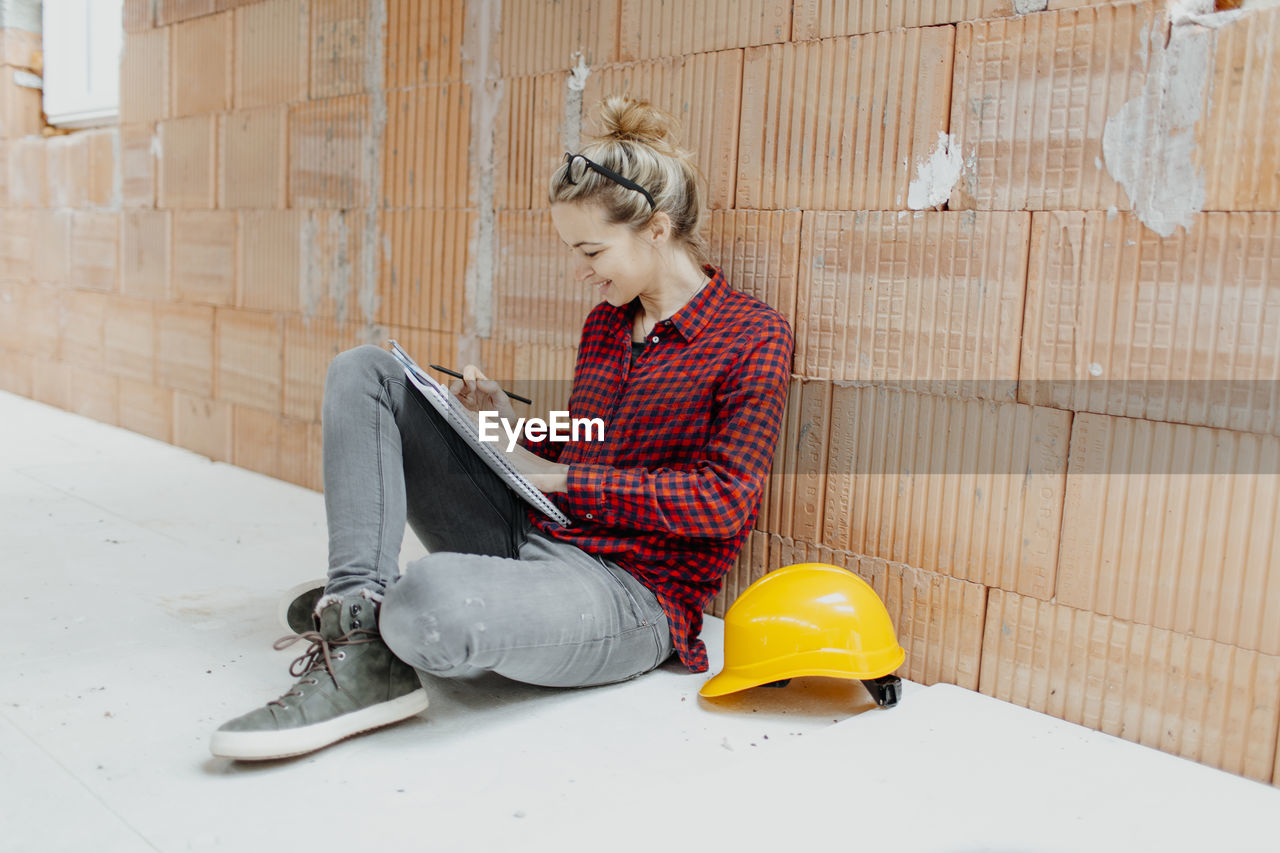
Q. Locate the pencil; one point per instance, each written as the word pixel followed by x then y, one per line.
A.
pixel 460 376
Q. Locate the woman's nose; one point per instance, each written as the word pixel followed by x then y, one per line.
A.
pixel 582 271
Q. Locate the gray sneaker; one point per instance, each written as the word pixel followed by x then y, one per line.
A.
pixel 349 682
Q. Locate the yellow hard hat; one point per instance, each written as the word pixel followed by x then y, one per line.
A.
pixel 806 619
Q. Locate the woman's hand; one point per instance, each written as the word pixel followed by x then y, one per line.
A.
pixel 546 475
pixel 479 393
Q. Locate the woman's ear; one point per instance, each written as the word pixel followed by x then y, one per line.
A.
pixel 658 229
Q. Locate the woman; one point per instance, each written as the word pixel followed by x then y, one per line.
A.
pixel 690 379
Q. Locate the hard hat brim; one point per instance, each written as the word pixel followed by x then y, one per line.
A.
pixel 732 682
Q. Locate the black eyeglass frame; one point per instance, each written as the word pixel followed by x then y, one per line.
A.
pixel 608 173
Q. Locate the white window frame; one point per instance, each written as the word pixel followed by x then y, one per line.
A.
pixel 82 43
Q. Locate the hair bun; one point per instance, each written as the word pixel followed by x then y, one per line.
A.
pixel 628 119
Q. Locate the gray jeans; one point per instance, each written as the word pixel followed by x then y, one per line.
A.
pixel 493 594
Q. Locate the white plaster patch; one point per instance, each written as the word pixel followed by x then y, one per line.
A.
pixel 1095 369
pixel 483 76
pixel 338 271
pixel 936 177
pixel 1026 7
pixel 375 65
pixel 309 280
pixel 571 127
pixel 1148 144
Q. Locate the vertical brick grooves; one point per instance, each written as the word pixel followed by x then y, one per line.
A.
pixel 427 147
pixel 1205 701
pixel 1162 326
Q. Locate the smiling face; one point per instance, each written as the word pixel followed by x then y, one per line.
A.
pixel 615 261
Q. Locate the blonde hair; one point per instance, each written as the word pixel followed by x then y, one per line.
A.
pixel 639 143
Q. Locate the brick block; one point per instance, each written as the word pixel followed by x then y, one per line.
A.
pixel 332 153
pixel 705 93
pixel 203 426
pixel 95 247
pixel 21 108
pixel 759 252
pixel 50 245
pixel 843 123
pixel 528 144
pixel 4 174
pixel 201 66
pixel 535 298
pixel 1189 696
pixel 93 394
pixel 67 170
pixel 103 161
pixel 188 166
pixel 16 371
pixel 651 29
pixel 301 455
pixel 83 317
pixel 144 253
pixel 13 297
pixel 138 143
pixel 144 77
pixel 250 347
pixel 129 339
pixel 422 42
pixel 339 251
pixel 427 139
pixel 21 49
pixel 269 257
pixel 815 19
pixel 426 261
pixel 51 383
pixel 1122 321
pixel 343 48
pixel 27 168
pixel 147 409
pixel 15 245
pixel 550 35
pixel 184 348
pixel 271 54
pixel 254 162
pixel 204 256
pixel 139 15
pixel 928 301
pixel 1241 100
pixel 309 346
pixel 1033 98
pixel 967 488
pixel 44 317
pixel 173 11
pixel 1179 535
pixel 255 440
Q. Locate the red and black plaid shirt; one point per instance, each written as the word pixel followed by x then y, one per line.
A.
pixel 690 430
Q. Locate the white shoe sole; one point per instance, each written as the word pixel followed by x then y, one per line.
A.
pixel 282 608
pixel 286 743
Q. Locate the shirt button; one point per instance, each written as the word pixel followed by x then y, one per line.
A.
pixel 589 515
pixel 654 339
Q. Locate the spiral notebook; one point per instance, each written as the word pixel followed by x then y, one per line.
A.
pixel 456 416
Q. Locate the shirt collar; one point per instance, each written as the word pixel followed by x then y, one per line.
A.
pixel 694 316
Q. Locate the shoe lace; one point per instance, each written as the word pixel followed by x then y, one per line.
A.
pixel 317 657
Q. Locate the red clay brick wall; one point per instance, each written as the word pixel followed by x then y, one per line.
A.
pixel 1030 251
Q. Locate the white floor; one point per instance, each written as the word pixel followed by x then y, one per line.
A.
pixel 143 585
